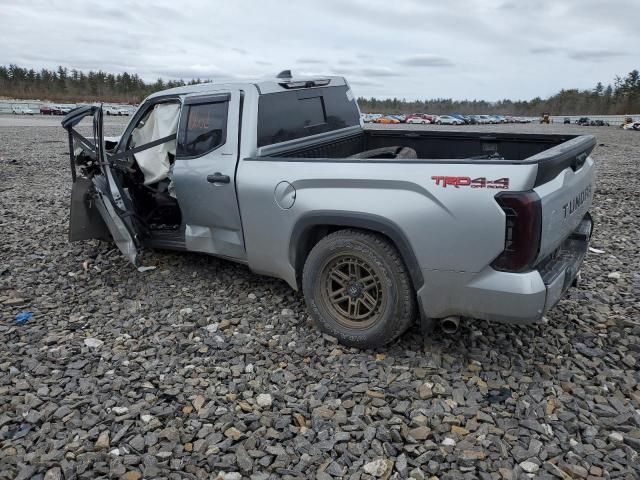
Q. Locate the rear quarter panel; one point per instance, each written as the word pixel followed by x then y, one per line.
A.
pixel 448 228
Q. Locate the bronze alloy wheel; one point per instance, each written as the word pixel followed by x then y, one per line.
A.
pixel 351 291
pixel 358 289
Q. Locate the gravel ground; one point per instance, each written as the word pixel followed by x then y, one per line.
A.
pixel 202 369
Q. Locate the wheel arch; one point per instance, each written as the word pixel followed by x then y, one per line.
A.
pixel 314 226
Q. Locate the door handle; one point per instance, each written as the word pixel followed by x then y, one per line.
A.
pixel 218 178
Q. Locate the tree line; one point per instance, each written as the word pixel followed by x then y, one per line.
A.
pixel 73 85
pixel 618 99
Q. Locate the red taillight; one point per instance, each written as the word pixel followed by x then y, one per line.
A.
pixel 523 226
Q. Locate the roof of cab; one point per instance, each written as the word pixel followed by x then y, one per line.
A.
pixel 269 85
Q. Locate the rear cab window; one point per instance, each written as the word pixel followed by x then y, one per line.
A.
pixel 294 114
pixel 203 126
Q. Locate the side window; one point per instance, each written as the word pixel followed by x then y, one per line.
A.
pixel 203 128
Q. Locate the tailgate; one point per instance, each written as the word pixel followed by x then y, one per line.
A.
pixel 565 185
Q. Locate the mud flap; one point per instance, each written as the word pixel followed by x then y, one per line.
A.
pixel 85 221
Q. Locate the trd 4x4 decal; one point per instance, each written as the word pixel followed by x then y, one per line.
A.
pixel 480 182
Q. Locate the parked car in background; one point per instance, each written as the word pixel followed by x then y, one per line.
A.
pixel 46 109
pixel 584 121
pixel 388 119
pixel 20 110
pixel 62 109
pixel 460 117
pixel 469 119
pixel 110 110
pixel 420 119
pixel 366 117
pixel 599 123
pixel 431 118
pixel 370 117
pixel 449 120
pixel 484 119
pixel 566 121
pixel 628 120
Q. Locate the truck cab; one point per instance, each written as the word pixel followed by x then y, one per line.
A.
pixel 181 149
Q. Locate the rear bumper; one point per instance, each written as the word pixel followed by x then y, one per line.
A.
pixel 518 298
pixel 560 269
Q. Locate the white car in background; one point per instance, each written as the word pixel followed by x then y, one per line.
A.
pixel 21 111
pixel 419 121
pixel 448 120
pixel 370 117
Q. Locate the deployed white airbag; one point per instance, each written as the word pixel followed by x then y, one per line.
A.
pixel 154 162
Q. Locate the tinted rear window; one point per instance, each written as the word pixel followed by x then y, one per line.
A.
pixel 300 113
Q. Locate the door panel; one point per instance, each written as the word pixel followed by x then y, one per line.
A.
pixel 205 183
pixel 122 237
pixel 85 220
pixel 100 187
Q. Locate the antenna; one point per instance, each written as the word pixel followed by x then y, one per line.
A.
pixel 284 74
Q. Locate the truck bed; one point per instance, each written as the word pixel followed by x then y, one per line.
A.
pixel 431 145
pixel 552 153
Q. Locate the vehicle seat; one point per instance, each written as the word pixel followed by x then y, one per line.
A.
pixel 165 208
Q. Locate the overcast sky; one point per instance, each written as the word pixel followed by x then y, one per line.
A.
pixel 484 49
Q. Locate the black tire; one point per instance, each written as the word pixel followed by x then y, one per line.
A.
pixel 395 302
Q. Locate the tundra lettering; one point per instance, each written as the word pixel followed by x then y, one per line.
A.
pixel 575 203
pixel 279 175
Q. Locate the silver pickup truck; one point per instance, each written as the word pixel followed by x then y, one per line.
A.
pixel 375 226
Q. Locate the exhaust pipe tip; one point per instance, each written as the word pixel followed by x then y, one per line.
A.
pixel 450 325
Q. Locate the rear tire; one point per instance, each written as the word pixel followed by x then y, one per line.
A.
pixel 358 289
